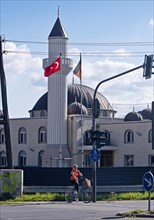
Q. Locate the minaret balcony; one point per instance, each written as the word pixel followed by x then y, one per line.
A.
pixel 64 61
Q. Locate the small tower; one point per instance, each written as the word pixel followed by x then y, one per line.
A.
pixel 57 87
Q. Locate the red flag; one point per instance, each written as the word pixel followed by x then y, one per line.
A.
pixel 53 68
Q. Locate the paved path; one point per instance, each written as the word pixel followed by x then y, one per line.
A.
pixel 74 211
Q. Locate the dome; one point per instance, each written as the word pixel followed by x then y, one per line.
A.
pixel 41 104
pixel 75 92
pixel 133 116
pixel 146 113
pixel 75 109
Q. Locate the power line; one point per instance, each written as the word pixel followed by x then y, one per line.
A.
pixel 144 43
pixel 92 54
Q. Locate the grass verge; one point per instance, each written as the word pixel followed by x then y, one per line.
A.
pixel 46 197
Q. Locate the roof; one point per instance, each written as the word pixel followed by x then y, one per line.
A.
pixel 75 92
pixel 75 108
pixel 133 116
pixel 58 30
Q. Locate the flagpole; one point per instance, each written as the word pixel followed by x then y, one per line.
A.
pixel 81 113
pixel 60 147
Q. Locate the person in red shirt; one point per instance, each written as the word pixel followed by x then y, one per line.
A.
pixel 75 173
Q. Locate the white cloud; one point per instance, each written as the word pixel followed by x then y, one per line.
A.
pixel 151 22
pixel 122 52
pixel 17 60
pixel 130 88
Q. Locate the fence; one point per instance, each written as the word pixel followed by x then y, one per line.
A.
pixel 107 176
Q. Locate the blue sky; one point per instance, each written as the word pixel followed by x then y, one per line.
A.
pixel 123 29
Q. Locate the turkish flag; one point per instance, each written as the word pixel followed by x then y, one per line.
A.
pixel 53 68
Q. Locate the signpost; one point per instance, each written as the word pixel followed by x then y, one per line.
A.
pixel 148 181
pixel 95 155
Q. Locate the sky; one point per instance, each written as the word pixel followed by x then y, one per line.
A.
pixel 112 36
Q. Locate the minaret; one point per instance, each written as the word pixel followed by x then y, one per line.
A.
pixel 57 86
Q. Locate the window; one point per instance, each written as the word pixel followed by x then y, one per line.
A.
pixel 151 160
pixel 129 136
pixel 87 160
pixel 22 136
pixel 150 136
pixel 22 158
pixel 107 137
pixel 128 160
pixel 42 114
pixel 3 160
pixel 40 158
pixel 2 136
pixel 42 135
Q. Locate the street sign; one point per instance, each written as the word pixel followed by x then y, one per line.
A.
pixel 148 181
pixel 95 155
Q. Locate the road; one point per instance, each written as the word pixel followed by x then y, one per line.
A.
pixel 74 211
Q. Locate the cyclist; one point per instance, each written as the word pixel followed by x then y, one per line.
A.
pixel 75 173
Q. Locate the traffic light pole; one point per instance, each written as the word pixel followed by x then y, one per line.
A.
pixel 94 122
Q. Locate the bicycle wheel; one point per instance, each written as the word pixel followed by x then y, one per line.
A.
pixel 87 195
pixel 69 194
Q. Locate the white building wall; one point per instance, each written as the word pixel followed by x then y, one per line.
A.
pixel 141 148
pixel 32 147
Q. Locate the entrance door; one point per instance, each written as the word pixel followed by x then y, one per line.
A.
pixel 106 159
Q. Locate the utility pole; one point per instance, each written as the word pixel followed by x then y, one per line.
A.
pixel 94 174
pixel 5 117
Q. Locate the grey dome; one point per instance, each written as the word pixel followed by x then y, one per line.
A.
pixel 146 113
pixel 75 92
pixel 75 109
pixel 133 116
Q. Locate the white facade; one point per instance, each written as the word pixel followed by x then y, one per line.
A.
pixel 122 151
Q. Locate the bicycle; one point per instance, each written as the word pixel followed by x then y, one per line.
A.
pixel 85 193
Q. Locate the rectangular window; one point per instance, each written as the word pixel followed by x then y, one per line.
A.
pixel 151 160
pixel 2 138
pixel 128 160
pixel 3 161
pixel 87 160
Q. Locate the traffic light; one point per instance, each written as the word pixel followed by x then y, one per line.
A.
pixel 147 66
pixel 99 137
pixel 88 137
pixel 96 108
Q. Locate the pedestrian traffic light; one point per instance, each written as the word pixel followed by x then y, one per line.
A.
pixel 147 66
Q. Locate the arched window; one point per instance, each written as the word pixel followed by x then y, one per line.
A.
pixel 22 158
pixel 107 137
pixel 150 136
pixel 3 160
pixel 42 135
pixel 22 136
pixel 40 158
pixel 42 114
pixel 2 136
pixel 129 136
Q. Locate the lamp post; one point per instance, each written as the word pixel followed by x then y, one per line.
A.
pixel 94 123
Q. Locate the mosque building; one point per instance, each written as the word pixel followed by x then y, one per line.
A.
pixel 55 134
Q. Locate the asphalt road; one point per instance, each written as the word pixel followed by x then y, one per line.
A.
pixel 74 211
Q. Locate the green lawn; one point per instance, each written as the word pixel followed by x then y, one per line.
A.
pixel 6 198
